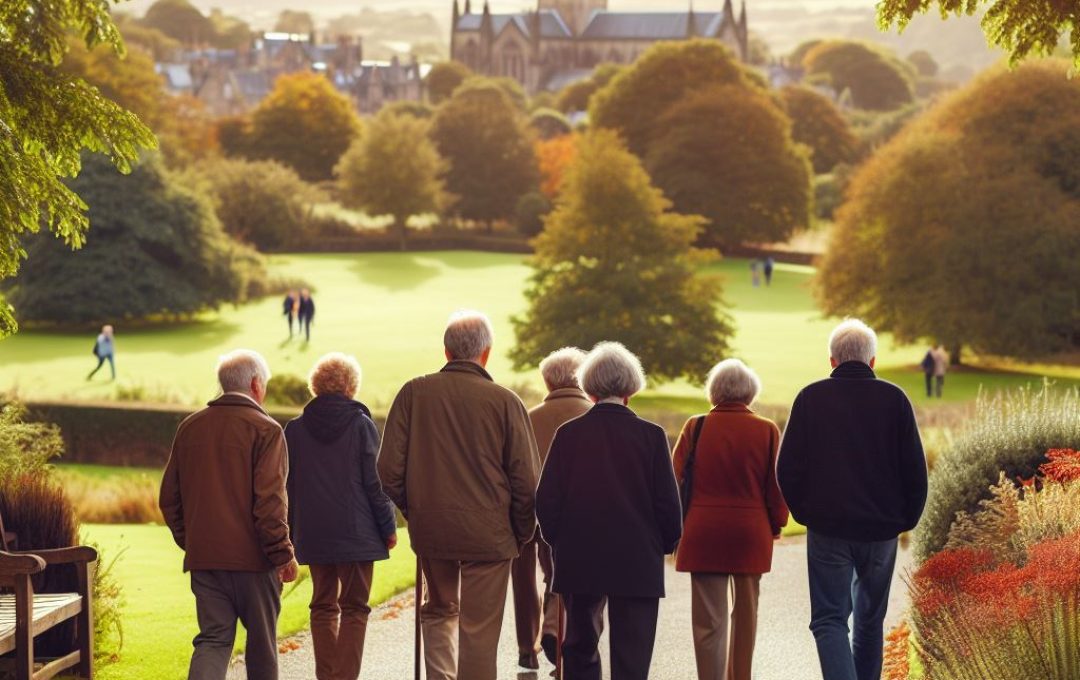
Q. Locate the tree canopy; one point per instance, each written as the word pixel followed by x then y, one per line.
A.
pixel 963 228
pixel 393 169
pixel 182 21
pixel 818 124
pixel 726 153
pixel 876 79
pixel 47 118
pixel 613 263
pixel 157 251
pixel 488 147
pixel 444 78
pixel 576 96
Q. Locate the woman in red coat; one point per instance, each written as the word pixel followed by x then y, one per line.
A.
pixel 735 513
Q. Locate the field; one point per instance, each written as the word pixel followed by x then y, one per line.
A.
pixel 389 309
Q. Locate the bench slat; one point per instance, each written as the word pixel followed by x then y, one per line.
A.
pixel 49 610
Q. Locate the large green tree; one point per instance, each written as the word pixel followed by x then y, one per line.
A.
pixel 488 147
pixel 393 169
pixel 963 228
pixel 726 153
pixel 157 251
pixel 817 123
pixel 182 21
pixel 637 97
pixel 576 96
pixel 444 78
pixel 614 263
pixel 47 118
pixel 874 77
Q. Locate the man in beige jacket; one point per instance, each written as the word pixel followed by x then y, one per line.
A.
pixel 565 401
pixel 459 459
pixel 223 498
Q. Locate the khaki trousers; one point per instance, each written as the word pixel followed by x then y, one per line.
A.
pixel 339 615
pixel 723 611
pixel 462 617
pixel 527 602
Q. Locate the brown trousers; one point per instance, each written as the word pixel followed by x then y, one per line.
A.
pixel 339 615
pixel 462 618
pixel 551 599
pixel 723 611
pixel 526 599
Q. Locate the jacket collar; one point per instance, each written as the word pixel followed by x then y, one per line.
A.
pixel 565 393
pixel 466 367
pixel 618 409
pixel 853 370
pixel 731 407
pixel 237 399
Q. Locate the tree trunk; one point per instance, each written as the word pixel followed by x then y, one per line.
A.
pixel 954 353
pixel 403 232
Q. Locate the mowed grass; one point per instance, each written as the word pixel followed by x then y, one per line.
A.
pixel 159 614
pixel 389 309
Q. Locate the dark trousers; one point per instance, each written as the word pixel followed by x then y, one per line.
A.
pixel 222 598
pixel 846 578
pixel 305 327
pixel 339 616
pixel 929 384
pixel 633 633
pixel 101 362
pixel 290 317
pixel 526 600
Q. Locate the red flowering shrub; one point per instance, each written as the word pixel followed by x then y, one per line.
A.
pixel 1064 465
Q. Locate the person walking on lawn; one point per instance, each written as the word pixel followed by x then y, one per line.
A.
pixel 941 367
pixel 290 307
pixel 305 312
pixel 341 520
pixel 536 617
pixel 852 470
pixel 223 499
pixel 104 350
pixel 459 459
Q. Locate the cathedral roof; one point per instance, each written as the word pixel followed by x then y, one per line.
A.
pixel 551 24
pixel 604 25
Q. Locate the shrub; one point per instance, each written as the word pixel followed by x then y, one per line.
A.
pixel 123 499
pixel 25 448
pixel 287 390
pixel 531 210
pixel 1009 434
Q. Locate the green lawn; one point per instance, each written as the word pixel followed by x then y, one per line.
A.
pixel 159 615
pixel 389 309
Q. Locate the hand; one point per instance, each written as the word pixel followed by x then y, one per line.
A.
pixel 288 573
pixel 391 542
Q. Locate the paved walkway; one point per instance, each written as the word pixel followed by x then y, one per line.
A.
pixel 785 648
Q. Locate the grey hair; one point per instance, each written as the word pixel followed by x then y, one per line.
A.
pixel 732 380
pixel 468 334
pixel 611 370
pixel 560 367
pixel 239 367
pixel 852 340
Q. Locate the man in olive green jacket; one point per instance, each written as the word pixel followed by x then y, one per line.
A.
pixel 459 459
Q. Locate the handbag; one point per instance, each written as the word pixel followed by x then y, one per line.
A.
pixel 686 487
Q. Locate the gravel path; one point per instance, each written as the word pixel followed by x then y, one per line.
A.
pixel 785 647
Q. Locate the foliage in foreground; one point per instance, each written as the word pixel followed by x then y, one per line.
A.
pixel 47 118
pixel 614 264
pixel 1009 434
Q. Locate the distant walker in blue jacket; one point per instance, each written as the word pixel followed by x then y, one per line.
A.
pixel 104 350
pixel 340 519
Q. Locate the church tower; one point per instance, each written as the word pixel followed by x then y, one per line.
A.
pixel 575 13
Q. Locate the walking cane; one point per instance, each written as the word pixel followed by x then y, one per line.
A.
pixel 559 639
pixel 419 602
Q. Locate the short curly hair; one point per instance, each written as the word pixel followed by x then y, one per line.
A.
pixel 335 373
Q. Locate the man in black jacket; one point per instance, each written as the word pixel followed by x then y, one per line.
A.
pixel 852 470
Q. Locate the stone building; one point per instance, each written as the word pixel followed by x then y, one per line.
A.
pixel 563 40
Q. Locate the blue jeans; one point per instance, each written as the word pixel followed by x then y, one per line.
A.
pixel 849 577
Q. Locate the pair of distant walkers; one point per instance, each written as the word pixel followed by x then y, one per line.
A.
pixel 935 365
pixel 474 472
pixel 299 307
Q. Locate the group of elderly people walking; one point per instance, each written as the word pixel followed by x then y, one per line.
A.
pixel 474 473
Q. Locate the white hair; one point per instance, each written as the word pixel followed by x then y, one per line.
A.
pixel 732 380
pixel 852 340
pixel 468 335
pixel 239 367
pixel 611 370
pixel 560 367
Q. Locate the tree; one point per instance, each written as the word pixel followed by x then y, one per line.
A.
pixel 817 123
pixel 293 21
pixel 1020 28
pixel 444 78
pixel 613 263
pixel 726 153
pixel 924 63
pixel 182 21
pixel 531 210
pixel 157 252
pixel 549 123
pixel 635 100
pixel 47 118
pixel 576 96
pixel 963 229
pixel 489 150
pixel 876 79
pixel 554 156
pixel 304 123
pixel 393 169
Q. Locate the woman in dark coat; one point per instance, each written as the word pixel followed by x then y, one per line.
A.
pixel 341 521
pixel 609 508
pixel 735 512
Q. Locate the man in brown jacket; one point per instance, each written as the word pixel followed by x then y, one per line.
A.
pixel 459 459
pixel 565 401
pixel 223 498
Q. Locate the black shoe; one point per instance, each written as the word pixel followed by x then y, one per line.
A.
pixel 529 661
pixel 550 646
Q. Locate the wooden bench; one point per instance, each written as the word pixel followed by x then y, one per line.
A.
pixel 24 614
